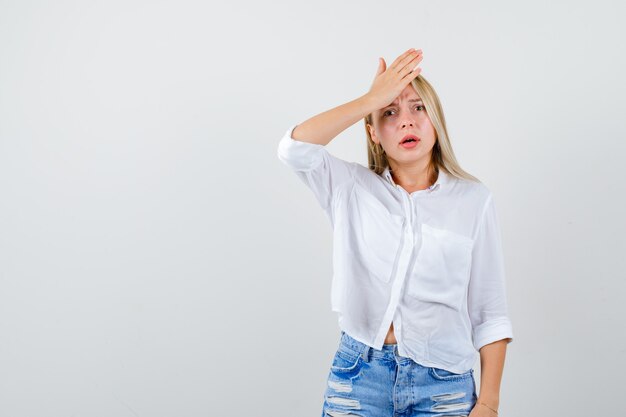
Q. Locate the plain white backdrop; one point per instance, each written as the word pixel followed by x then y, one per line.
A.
pixel 157 259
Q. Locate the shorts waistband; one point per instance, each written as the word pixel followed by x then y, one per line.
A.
pixel 388 351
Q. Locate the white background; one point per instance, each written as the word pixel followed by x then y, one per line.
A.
pixel 157 259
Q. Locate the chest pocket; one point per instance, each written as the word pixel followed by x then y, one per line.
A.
pixel 442 268
pixel 375 234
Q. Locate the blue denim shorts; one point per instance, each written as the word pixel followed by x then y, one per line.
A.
pixel 367 382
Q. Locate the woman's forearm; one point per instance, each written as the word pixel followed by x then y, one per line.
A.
pixel 491 366
pixel 324 127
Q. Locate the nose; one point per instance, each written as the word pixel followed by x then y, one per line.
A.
pixel 406 118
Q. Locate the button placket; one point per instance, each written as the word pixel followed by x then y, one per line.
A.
pixel 412 209
pixel 408 210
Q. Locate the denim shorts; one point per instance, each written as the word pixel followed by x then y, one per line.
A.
pixel 367 382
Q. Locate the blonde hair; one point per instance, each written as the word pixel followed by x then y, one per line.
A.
pixel 442 153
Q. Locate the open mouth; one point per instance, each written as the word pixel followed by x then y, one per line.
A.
pixel 408 139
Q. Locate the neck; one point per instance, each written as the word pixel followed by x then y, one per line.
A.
pixel 414 178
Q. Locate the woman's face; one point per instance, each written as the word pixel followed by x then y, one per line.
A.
pixel 406 115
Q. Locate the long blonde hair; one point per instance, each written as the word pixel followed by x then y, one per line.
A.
pixel 442 153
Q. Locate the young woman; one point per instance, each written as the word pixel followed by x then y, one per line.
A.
pixel 418 274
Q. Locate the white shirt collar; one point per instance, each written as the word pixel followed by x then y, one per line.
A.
pixel 442 179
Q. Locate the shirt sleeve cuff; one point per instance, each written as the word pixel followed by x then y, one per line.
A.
pixel 297 154
pixel 492 331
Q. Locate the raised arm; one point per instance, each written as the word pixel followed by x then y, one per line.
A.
pixel 303 146
pixel 387 85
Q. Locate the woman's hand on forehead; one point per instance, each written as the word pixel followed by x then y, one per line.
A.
pixel 390 82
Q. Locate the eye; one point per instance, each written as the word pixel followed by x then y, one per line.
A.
pixel 418 106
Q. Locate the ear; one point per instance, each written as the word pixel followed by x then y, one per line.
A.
pixel 372 131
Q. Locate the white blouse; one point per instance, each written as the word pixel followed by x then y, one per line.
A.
pixel 431 261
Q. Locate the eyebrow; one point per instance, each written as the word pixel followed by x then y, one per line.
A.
pixel 413 100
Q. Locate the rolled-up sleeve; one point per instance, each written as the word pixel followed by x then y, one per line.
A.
pixel 487 303
pixel 322 172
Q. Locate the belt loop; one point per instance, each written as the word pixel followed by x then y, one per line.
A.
pixel 365 353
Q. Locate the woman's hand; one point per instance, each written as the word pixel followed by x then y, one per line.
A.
pixel 482 411
pixel 389 82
